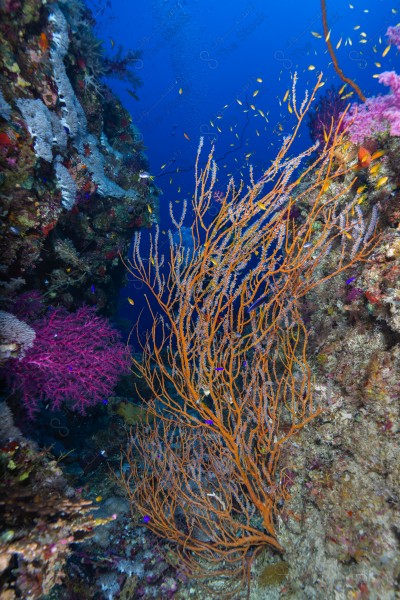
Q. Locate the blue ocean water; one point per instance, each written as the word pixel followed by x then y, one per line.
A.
pixel 221 69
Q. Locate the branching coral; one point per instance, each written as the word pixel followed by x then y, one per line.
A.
pixel 226 358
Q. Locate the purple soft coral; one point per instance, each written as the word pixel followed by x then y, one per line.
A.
pixel 76 358
pixel 379 113
pixel 393 34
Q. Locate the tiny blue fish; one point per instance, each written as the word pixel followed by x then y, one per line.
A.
pixel 350 280
pixel 209 422
pixel 245 363
pixel 219 369
pixel 93 289
pixel 258 302
pixel 69 368
pixel 146 518
pixel 105 401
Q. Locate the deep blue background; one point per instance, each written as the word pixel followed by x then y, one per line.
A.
pixel 214 50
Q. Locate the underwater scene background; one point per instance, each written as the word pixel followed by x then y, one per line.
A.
pixel 200 299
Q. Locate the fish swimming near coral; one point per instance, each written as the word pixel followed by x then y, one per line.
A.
pixel 259 302
pixel 145 175
pixel 364 158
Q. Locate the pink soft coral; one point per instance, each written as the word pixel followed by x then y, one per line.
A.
pixel 380 113
pixel 76 358
pixel 393 34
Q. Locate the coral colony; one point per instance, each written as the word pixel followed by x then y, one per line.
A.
pixel 249 448
pixel 75 358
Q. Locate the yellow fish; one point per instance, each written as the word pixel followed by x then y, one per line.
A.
pixel 339 44
pixel 361 189
pixel 386 50
pixel 99 498
pixel 289 108
pixel 375 169
pixel 261 205
pixel 342 89
pixel 239 102
pixel 378 154
pixel 381 182
pixel 130 301
pixel 152 261
pixel 378 64
pixel 163 166
pixel 180 91
pixel 255 93
pixel 185 135
pixel 149 209
pixel 259 80
pixel 214 262
pixel 285 97
pixel 311 67
pixel 316 35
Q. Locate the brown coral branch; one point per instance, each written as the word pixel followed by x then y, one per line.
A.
pixel 333 55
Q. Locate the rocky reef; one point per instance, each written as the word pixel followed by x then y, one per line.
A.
pixel 72 189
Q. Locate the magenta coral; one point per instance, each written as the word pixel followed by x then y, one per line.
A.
pixel 77 358
pixel 380 113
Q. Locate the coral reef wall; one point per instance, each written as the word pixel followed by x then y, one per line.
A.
pixel 71 193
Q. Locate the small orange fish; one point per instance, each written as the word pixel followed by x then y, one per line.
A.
pixel 44 42
pixel 185 135
pixel 377 154
pixel 364 157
